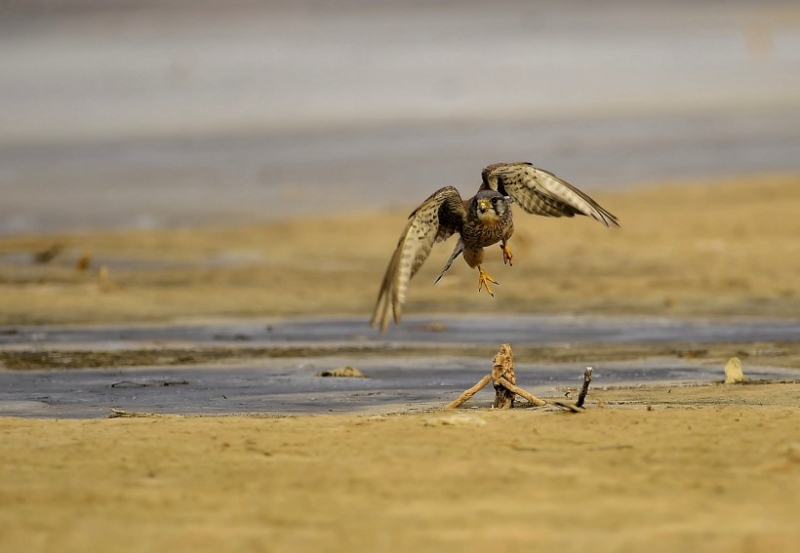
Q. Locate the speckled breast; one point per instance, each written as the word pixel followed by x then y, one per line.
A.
pixel 477 235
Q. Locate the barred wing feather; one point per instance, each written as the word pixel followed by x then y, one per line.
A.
pixel 440 216
pixel 542 193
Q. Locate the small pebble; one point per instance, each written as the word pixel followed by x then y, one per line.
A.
pixel 733 371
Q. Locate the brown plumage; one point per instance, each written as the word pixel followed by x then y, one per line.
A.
pixel 481 221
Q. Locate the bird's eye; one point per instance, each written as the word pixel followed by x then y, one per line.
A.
pixel 494 201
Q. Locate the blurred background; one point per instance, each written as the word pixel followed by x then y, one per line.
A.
pixel 148 114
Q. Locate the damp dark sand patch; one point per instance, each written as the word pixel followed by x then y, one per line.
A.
pixel 778 354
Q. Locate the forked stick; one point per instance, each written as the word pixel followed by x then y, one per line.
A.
pixel 577 407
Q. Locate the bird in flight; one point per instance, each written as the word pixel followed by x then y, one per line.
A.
pixel 480 221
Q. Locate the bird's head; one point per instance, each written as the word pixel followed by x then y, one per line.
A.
pixel 489 206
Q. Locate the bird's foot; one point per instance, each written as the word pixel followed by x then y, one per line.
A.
pixel 508 257
pixel 484 280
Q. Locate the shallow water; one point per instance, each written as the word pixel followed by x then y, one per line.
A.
pixel 449 330
pixel 293 387
pixel 395 380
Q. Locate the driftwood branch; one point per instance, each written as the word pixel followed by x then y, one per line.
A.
pixel 505 384
pixel 502 377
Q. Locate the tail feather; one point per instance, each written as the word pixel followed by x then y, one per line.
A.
pixel 459 249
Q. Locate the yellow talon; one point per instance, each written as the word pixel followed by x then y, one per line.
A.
pixel 508 257
pixel 484 280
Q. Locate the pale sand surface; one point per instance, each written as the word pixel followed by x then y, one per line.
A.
pixel 708 469
pixel 712 468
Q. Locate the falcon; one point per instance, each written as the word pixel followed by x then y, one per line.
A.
pixel 480 221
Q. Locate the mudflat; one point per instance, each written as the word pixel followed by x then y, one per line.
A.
pixel 661 468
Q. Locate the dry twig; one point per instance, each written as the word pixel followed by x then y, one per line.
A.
pixel 463 398
pixel 577 407
pixel 587 379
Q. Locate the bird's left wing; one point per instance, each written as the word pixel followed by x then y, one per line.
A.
pixel 542 193
pixel 440 216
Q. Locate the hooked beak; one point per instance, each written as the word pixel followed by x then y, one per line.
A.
pixel 484 205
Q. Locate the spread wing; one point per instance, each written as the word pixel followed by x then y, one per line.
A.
pixel 542 193
pixel 439 217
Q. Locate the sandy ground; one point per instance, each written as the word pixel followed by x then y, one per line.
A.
pixel 726 248
pixel 707 468
pixel 688 475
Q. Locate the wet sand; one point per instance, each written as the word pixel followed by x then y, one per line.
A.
pixel 713 467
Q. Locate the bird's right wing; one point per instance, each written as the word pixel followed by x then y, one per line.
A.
pixel 440 216
pixel 542 193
